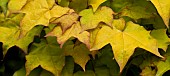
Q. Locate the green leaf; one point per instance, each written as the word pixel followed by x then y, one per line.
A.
pixel 64 3
pixel 102 71
pixel 78 5
pixel 163 66
pixel 69 67
pixel 105 57
pixel 95 3
pixel 137 9
pixel 87 73
pixel 48 55
pixel 162 38
pixel 46 73
pixel 124 42
pixel 45 10
pixel 20 72
pixel 90 20
pixel 3 5
pixel 163 9
pixel 10 33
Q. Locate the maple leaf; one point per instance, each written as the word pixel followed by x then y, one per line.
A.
pixel 124 42
pixel 45 10
pixel 9 34
pixel 79 52
pixel 90 20
pixel 67 21
pixel 138 9
pixel 163 9
pixel 16 5
pixel 95 3
pixel 162 38
pixel 74 31
pixel 48 55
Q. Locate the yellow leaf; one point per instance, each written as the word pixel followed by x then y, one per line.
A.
pixel 90 20
pixel 16 5
pixel 163 8
pixel 124 42
pixel 67 21
pixel 74 31
pixel 39 13
pixel 95 3
pixel 79 52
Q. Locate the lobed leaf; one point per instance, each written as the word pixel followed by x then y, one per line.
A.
pixel 90 20
pixel 124 42
pixel 48 55
pixel 163 9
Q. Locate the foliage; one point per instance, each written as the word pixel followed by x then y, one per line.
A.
pixel 84 37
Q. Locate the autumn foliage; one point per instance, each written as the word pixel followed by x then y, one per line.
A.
pixel 84 37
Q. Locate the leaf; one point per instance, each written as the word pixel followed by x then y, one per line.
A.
pixel 87 73
pixel 3 5
pixel 9 34
pixel 79 52
pixel 74 31
pixel 67 21
pixel 105 57
pixel 162 38
pixel 137 9
pixel 148 72
pixel 95 3
pixel 46 73
pixel 64 3
pixel 163 66
pixel 90 20
pixel 124 42
pixel 20 72
pixel 78 5
pixel 16 5
pixel 69 67
pixel 102 71
pixel 48 55
pixel 163 9
pixel 119 24
pixel 45 10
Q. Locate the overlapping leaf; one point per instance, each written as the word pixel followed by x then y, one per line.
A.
pixel 90 20
pixel 48 55
pixel 95 3
pixel 74 31
pixel 137 9
pixel 162 38
pixel 79 52
pixel 45 10
pixel 10 32
pixel 67 21
pixel 163 9
pixel 124 43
